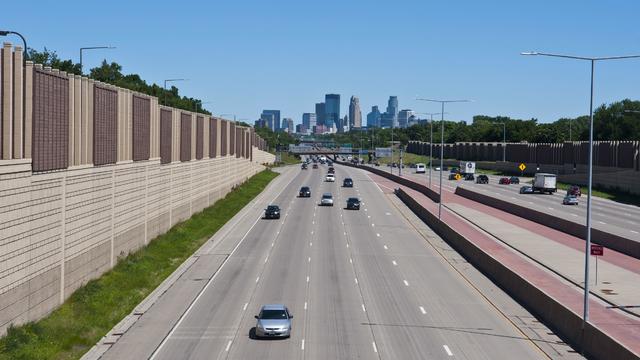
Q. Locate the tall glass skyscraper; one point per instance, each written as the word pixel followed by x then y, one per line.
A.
pixel 332 110
pixel 309 121
pixel 276 118
pixel 373 118
pixel 392 111
pixel 320 113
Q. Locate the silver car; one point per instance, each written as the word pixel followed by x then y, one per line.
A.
pixel 570 200
pixel 327 199
pixel 274 320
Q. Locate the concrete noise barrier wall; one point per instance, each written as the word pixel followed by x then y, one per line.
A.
pixel 592 341
pixel 611 241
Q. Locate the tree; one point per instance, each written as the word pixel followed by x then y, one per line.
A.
pixel 50 58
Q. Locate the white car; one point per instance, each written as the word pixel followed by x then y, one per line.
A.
pixel 420 168
pixel 330 178
pixel 327 199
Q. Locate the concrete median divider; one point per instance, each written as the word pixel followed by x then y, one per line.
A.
pixel 591 341
pixel 611 241
pixel 434 196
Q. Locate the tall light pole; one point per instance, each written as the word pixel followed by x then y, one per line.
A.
pixel 442 102
pixel 430 142
pixel 198 101
pixel 504 140
pixel 164 95
pixel 91 48
pixel 587 250
pixel 234 116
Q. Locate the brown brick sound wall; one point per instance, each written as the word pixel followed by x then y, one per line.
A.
pixel 105 126
pixel 50 121
pixel 566 323
pixel 213 138
pixel 232 138
pixel 199 137
pixel 165 136
pixel 185 137
pixel 223 138
pixel 141 128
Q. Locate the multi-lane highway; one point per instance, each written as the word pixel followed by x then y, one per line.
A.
pixel 360 284
pixel 610 216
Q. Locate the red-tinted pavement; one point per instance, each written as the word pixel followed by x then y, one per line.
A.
pixel 623 328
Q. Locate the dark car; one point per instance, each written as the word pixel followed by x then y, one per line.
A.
pixel 353 203
pixel 574 190
pixel 453 176
pixel 347 182
pixel 453 170
pixel 332 170
pixel 514 180
pixel 504 181
pixel 305 191
pixel 482 179
pixel 315 166
pixel 469 177
pixel 304 166
pixel 526 190
pixel 272 212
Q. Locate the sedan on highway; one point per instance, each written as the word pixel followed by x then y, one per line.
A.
pixel 482 179
pixel 274 320
pixel 330 178
pixel 347 182
pixel 304 166
pixel 353 203
pixel 574 190
pixel 326 200
pixel 504 181
pixel 514 180
pixel 570 200
pixel 272 212
pixel 526 190
pixel 305 191
pixel 469 177
pixel 315 166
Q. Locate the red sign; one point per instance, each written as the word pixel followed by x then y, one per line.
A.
pixel 597 250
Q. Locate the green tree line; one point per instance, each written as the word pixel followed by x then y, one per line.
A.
pixel 275 138
pixel 111 73
pixel 617 121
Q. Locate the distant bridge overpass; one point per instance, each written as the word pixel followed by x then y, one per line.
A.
pixel 313 150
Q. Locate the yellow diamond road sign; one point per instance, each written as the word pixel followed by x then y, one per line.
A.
pixel 522 167
pixel 458 176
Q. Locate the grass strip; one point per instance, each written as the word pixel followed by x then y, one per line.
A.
pixel 93 310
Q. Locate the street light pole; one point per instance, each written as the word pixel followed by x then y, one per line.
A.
pixel 91 48
pixel 592 60
pixel 164 94
pixel 442 102
pixel 430 143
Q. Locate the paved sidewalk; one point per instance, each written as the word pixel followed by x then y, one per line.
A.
pixel 617 324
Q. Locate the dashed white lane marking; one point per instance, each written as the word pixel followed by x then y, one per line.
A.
pixel 345 233
pixel 313 223
pixel 350 261
pixel 311 232
pixel 372 224
pixel 307 279
pixel 602 222
pixel 347 245
pixel 244 308
pixel 302 345
pixel 368 216
pixel 513 198
pixel 386 248
pixel 228 346
pixel 265 259
pixel 574 215
pixel 633 231
pixel 278 232
pixel 446 348
pixel 422 310
pixel 272 244
pixel 258 279
pixel 310 244
pixel 356 280
pixel 550 208
pixel 375 349
pixel 363 309
pixel 394 263
pixel 309 260
pixel 365 210
pixel 406 283
pixel 530 202
pixel 378 234
pixel 305 305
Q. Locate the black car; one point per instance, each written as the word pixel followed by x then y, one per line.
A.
pixel 469 177
pixel 347 182
pixel 452 176
pixel 305 191
pixel 272 212
pixel 332 170
pixel 353 203
pixel 315 166
pixel 515 180
pixel 482 179
pixel 304 166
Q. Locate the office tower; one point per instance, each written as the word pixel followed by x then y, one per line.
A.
pixel 332 110
pixel 320 113
pixel 403 117
pixel 309 120
pixel 301 129
pixel 259 123
pixel 276 119
pixel 355 115
pixel 392 111
pixel 287 125
pixel 269 120
pixel 373 118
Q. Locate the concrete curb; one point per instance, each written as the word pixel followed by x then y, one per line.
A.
pixel 591 341
pixel 611 241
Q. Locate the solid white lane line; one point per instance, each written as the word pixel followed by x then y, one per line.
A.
pixel 228 346
pixel 406 283
pixel 302 345
pixel 422 310
pixel 363 309
pixel 258 279
pixel 446 348
pixel 394 263
pixel 375 349
pixel 386 248
pixel 244 308
pixel 633 231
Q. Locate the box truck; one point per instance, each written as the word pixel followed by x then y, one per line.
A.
pixel 544 183
pixel 467 167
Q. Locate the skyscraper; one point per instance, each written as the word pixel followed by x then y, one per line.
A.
pixel 355 115
pixel 287 125
pixel 332 109
pixel 276 119
pixel 320 113
pixel 373 118
pixel 268 119
pixel 403 117
pixel 309 121
pixel 392 111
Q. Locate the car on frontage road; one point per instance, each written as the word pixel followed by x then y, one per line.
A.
pixel 274 320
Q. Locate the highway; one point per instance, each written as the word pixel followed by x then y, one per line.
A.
pixel 360 284
pixel 607 215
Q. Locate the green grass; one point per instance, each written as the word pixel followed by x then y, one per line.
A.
pixel 407 158
pixel 288 159
pixel 92 310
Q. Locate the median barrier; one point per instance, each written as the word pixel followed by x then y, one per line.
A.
pixel 611 241
pixel 591 341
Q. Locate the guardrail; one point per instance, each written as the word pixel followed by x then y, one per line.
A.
pixel 593 342
pixel 611 241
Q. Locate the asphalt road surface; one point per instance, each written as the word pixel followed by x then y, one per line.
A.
pixel 360 284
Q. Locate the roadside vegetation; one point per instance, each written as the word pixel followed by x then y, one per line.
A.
pixel 95 308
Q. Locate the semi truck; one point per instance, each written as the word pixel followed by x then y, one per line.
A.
pixel 544 183
pixel 467 167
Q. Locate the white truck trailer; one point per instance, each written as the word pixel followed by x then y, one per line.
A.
pixel 467 167
pixel 544 183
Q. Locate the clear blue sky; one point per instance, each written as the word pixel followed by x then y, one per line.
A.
pixel 245 56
